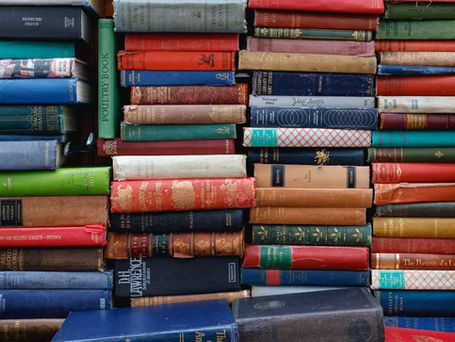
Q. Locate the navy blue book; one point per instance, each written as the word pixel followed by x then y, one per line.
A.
pixel 196 321
pixel 45 91
pixel 28 137
pixel 339 118
pixel 311 156
pixel 312 84
pixel 130 78
pixel 254 276
pixel 446 324
pixel 51 303
pixel 177 221
pixel 34 280
pixel 388 70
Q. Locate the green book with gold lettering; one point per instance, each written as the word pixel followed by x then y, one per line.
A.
pixel 416 29
pixel 306 33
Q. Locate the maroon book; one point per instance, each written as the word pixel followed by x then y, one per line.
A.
pixel 417 121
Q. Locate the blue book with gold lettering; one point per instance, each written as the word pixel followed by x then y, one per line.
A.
pixel 130 78
pixel 409 70
pixel 446 324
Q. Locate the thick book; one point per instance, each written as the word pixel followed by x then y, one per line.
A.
pixel 416 227
pixel 129 78
pixel 411 335
pixel 43 68
pixel 343 118
pixel 413 85
pixel 279 61
pixel 412 245
pixel 177 221
pixel 417 121
pixel 422 323
pixel 414 192
pixel 414 45
pixel 412 154
pixel 93 6
pixel 416 10
pixel 307 257
pixel 23 49
pixel 199 321
pixel 30 329
pixel 181 195
pixel 60 182
pixel 412 58
pixel 52 303
pixel 416 104
pixel 138 277
pixel 412 280
pixel 269 277
pixel 311 176
pixel 312 101
pixel 312 33
pixel 45 91
pixel 177 245
pixel 422 138
pixel 417 70
pixel 311 84
pixel 413 261
pixel 416 29
pixel 341 315
pixel 188 166
pixel 205 16
pixel 412 172
pixel 429 209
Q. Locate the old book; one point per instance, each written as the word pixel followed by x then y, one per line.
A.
pixel 95 6
pixel 415 70
pixel 412 172
pixel 29 329
pixel 421 227
pixel 285 101
pixel 428 209
pixel 410 335
pixel 412 154
pixel 21 49
pixel 416 104
pixel 418 138
pixel 413 261
pixel 312 33
pixel 261 291
pixel 417 121
pixel 416 29
pixel 431 58
pixel 412 280
pixel 407 10
pixel 414 45
pixel 421 323
pixel 414 192
pixel 413 85
pixel 412 245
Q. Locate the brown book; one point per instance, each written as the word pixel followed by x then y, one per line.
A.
pixel 159 300
pixel 325 216
pixel 413 261
pixel 314 197
pixel 29 329
pixel 312 176
pixel 416 227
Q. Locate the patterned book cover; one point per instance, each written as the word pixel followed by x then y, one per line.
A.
pixel 412 280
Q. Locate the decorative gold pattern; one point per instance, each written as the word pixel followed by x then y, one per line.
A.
pixel 322 157
pixel 124 197
pixel 110 147
pixel 183 195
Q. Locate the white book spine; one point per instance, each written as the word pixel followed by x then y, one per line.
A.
pixel 416 104
pixel 312 101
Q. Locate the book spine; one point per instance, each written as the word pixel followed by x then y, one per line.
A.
pixel 312 101
pixel 251 276
pixel 329 156
pixel 359 236
pixel 177 245
pixel 38 68
pixel 180 195
pixel 422 227
pixel 428 323
pixel 278 61
pixel 130 78
pixel 412 245
pixel 175 60
pixel 413 85
pixel 430 209
pixel 312 33
pixel 412 172
pixel 194 114
pixel 402 334
pixel 305 137
pixel 414 70
pixel 310 176
pixel 235 94
pixel 114 147
pixel 417 121
pixel 414 45
pixel 415 11
pixel 160 300
pixel 416 104
pixel 428 58
pixel 312 84
pixel 314 216
pixel 130 132
pixel 421 154
pixel 412 261
pixel 298 257
pixel 412 280
pixel 29 155
pixel 416 30
pixel 30 329
pixel 426 138
pixel 20 49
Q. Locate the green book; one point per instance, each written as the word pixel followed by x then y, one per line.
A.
pixel 417 10
pixel 60 182
pixel 130 132
pixel 22 49
pixel 304 33
pixel 108 92
pixel 416 29
pixel 412 154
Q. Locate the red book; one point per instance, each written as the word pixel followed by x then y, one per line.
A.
pixel 175 60
pixel 393 334
pixel 296 19
pixel 412 172
pixel 182 42
pixel 307 257
pixel 341 6
pixel 118 147
pixel 414 45
pixel 414 192
pixel 415 85
pixel 417 121
pixel 412 245
pixel 90 235
pixel 179 194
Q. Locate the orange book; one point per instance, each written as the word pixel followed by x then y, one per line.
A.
pixel 415 85
pixel 414 192
pixel 412 172
pixel 414 45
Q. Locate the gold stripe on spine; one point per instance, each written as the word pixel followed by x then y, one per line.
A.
pixel 415 121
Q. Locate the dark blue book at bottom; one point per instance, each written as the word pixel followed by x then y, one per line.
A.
pixel 446 324
pixel 197 321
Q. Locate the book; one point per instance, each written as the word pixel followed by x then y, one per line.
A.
pixel 413 192
pixel 43 68
pixel 261 291
pixel 414 45
pixel 417 121
pixel 413 261
pixel 174 276
pixel 346 314
pixel 419 11
pixel 412 245
pixel 207 320
pixel 306 257
pixel 384 69
pixel 417 227
pixel 130 78
pixel 63 138
pixel 30 329
pixel 422 138
pixel 412 279
pixel 421 323
pixel 18 49
pixel 403 334
pixel 412 172
pixel 429 209
pixel 415 104
pixel 412 154
pixel 421 58
pixel 90 5
pixel 416 29
pixel 412 85
pixel 312 101
pixel 312 33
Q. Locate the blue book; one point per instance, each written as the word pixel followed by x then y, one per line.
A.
pixel 423 138
pixel 253 276
pixel 196 321
pixel 312 84
pixel 387 70
pixel 347 118
pixel 40 280
pixel 44 90
pixel 158 78
pixel 311 156
pixel 416 303
pixel 446 324
pixel 28 137
pixel 51 303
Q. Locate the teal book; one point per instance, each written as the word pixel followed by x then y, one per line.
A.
pixel 424 138
pixel 25 49
pixel 309 33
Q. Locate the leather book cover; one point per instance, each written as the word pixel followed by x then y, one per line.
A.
pixel 414 192
pixel 414 45
pixel 413 261
pixel 412 172
pixel 416 121
pixel 412 245
pixel 33 329
pixel 441 85
pixel 417 227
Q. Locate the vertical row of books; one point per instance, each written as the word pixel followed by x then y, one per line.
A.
pixel 413 172
pixel 52 218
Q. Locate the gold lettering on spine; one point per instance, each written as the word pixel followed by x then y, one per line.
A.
pixel 158 196
pixel 232 193
pixel 143 196
pixel 183 195
pixel 224 114
pixel 415 121
pixel 123 200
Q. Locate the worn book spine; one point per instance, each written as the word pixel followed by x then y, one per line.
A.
pixel 306 257
pixel 429 58
pixel 429 323
pixel 312 101
pixel 182 42
pixel 416 70
pixel 179 195
pixel 412 279
pixel 422 138
pixel 234 94
pixel 117 147
pixel 403 334
pixel 413 261
pixel 21 49
pixel 416 104
pixel 417 121
pixel 30 329
pixel 311 176
pixel 359 236
pixel 311 46
pixel 416 29
pixel 313 197
pixel 175 60
pixel 414 192
pixel 421 227
pixel 311 84
pixel 415 85
pixel 42 68
pixel 419 11
pixel 412 245
pixel 30 155
pixel 131 132
pixel 429 209
pixel 305 137
pixel 316 216
pixel 177 245
pixel 178 221
pixel 312 33
pixel 412 172
pixel 414 45
pixel 278 61
pixel 412 154
pixel 91 6
pixel 184 114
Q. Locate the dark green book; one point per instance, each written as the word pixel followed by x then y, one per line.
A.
pixel 429 209
pixel 416 29
pixel 304 33
pixel 411 154
pixel 419 10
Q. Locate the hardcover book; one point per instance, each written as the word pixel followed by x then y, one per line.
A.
pixel 312 101
pixel 414 70
pixel 413 261
pixel 416 29
pixel 416 104
pixel 414 45
pixel 417 121
pixel 417 227
pixel 419 138
pixel 43 68
pixel 412 279
pixel 412 245
pixel 419 10
pixel 414 192
pixel 429 209
pixel 412 172
pixel 29 329
pixel 429 323
pixel 413 58
pixel 411 335
pixel 438 154
pixel 23 49
pixel 312 33
pixel 130 78
pixel 91 5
